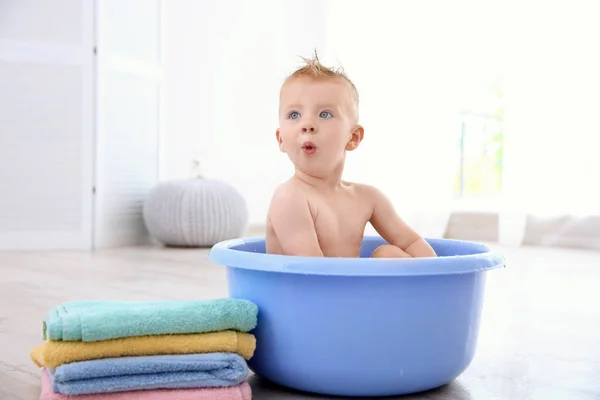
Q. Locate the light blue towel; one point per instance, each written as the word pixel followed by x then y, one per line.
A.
pixel 121 374
pixel 91 321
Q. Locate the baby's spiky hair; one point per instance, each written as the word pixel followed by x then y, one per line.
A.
pixel 314 69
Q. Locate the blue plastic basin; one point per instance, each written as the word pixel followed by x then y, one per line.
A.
pixel 361 326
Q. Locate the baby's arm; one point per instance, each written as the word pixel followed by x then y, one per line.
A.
pixel 393 229
pixel 293 223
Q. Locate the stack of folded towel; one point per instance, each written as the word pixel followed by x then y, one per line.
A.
pixel 147 350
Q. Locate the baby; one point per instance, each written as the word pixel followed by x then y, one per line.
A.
pixel 316 213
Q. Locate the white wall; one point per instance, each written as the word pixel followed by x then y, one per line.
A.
pixel 225 62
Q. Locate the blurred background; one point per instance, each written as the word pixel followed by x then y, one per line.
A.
pixel 480 116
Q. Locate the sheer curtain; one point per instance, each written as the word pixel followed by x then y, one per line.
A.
pixel 417 64
pixel 552 167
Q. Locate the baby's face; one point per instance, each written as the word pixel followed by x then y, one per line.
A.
pixel 317 124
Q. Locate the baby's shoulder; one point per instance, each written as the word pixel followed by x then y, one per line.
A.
pixel 288 195
pixel 288 190
pixel 364 190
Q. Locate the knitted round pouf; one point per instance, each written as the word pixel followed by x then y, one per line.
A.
pixel 195 213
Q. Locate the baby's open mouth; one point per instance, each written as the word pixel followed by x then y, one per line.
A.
pixel 309 147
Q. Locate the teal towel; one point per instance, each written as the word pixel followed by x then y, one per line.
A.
pixel 91 321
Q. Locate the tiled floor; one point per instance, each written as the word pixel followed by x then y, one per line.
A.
pixel 540 336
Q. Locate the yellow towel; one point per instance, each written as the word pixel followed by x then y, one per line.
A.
pixel 51 354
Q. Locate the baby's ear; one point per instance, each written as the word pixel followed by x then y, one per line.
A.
pixel 279 141
pixel 357 136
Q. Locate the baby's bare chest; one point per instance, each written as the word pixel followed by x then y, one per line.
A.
pixel 340 226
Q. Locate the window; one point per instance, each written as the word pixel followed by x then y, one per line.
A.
pixel 480 147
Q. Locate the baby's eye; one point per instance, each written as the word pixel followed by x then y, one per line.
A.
pixel 325 114
pixel 294 115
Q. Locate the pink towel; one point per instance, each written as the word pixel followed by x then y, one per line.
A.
pixel 240 392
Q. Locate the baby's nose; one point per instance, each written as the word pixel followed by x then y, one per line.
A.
pixel 309 128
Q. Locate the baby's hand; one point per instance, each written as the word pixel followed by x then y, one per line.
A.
pixel 293 223
pixel 393 229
